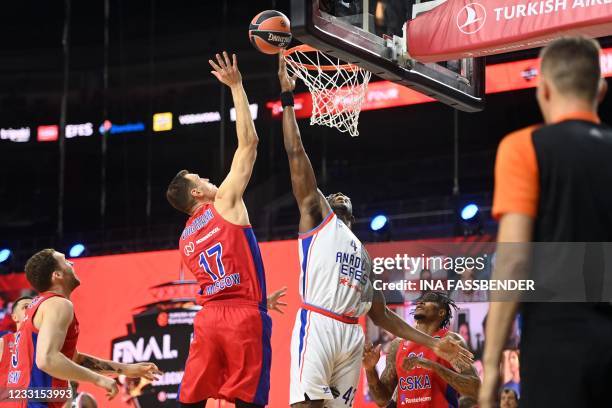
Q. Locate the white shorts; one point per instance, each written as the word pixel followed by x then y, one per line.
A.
pixel 325 360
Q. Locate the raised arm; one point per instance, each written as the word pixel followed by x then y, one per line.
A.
pixel 466 382
pixel 229 196
pixel 381 389
pixel 448 348
pixel 311 202
pixel 57 314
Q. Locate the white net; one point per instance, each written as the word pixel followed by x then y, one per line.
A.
pixel 337 89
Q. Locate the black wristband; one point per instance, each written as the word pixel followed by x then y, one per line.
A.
pixel 286 99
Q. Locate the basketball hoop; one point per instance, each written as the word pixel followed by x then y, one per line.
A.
pixel 337 89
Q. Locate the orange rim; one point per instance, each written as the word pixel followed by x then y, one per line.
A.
pixel 308 48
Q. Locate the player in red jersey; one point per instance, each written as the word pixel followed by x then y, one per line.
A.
pixel 423 380
pixel 230 354
pixel 7 341
pixel 44 353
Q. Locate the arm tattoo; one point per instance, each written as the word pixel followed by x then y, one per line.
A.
pixel 466 382
pixel 98 366
pixel 382 389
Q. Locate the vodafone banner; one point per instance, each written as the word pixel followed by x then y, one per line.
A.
pixel 467 28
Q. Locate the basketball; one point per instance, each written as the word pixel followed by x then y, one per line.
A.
pixel 270 31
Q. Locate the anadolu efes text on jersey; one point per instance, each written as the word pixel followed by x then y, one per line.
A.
pixel 335 269
pixel 224 258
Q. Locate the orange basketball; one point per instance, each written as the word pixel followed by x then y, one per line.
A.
pixel 270 31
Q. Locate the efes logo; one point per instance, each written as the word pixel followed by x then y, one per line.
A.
pixel 471 18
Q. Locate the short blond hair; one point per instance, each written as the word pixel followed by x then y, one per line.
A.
pixel 573 66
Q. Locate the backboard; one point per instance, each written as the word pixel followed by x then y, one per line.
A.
pixel 371 34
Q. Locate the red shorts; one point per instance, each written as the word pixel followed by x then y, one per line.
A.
pixel 230 355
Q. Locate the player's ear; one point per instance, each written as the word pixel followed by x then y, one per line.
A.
pixel 546 89
pixel 56 274
pixel 602 91
pixel 195 192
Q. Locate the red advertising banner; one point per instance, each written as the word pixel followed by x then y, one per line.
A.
pixel 467 28
pixel 508 76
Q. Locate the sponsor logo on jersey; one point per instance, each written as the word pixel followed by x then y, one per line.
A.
pixel 210 234
pixel 197 224
pixel 406 400
pixel 351 266
pixel 415 382
pixel 347 282
pixel 13 376
pixel 189 248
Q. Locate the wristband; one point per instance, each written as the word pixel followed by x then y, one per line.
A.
pixel 286 99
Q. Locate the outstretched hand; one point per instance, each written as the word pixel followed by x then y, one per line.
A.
pixel 144 370
pixel 274 303
pixel 371 355
pixel 287 82
pixel 451 350
pixel 226 71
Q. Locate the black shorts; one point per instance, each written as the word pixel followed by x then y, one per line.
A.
pixel 566 355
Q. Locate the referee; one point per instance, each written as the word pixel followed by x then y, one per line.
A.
pixel 553 183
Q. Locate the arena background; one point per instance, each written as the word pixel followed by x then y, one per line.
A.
pixel 155 60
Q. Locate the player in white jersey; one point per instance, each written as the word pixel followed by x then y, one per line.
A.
pixel 327 341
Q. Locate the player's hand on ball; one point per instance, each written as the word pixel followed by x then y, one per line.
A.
pixel 371 355
pixel 451 350
pixel 109 385
pixel 273 300
pixel 226 71
pixel 287 83
pixel 144 370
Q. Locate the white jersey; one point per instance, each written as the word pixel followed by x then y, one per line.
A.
pixel 335 269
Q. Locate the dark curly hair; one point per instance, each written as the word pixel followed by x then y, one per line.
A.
pixel 444 302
